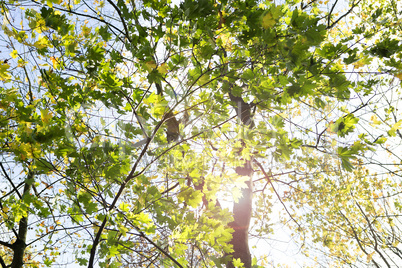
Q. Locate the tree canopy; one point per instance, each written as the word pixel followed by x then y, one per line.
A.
pixel 182 133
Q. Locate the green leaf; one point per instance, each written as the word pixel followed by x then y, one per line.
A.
pixel 346 155
pixel 344 125
pixel 394 128
pixel 277 121
pixel 237 263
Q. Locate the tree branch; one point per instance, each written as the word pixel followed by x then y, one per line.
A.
pixel 6 244
pixel 344 15
pixel 121 18
pixel 9 179
pixel 330 13
pixel 273 188
pixel 3 264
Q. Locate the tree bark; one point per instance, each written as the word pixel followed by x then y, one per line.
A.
pixel 242 210
pixel 2 263
pixel 19 245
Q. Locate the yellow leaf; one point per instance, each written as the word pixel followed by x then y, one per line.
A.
pixel 204 79
pixel 370 256
pixel 28 128
pixel 226 41
pixel 163 69
pixel 22 63
pixel 42 42
pixel 6 20
pixel 150 65
pixel 395 128
pixel 4 71
pixel 51 2
pixel 55 62
pixel 45 115
pixel 362 62
pixel 399 76
pixel 85 30
pixel 375 120
pixel 14 54
pixel 81 127
pixel 268 21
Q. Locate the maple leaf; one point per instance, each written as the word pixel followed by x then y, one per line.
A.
pixel 45 115
pixel 4 71
pixel 268 21
pixel 399 76
pixel 150 65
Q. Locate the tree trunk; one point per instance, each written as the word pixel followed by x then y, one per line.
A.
pixel 19 245
pixel 242 209
pixel 241 222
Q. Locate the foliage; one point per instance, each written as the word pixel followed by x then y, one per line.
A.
pixel 129 128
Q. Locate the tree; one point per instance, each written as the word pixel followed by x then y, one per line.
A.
pixel 126 125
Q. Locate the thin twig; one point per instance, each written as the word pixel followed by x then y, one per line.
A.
pixel 276 193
